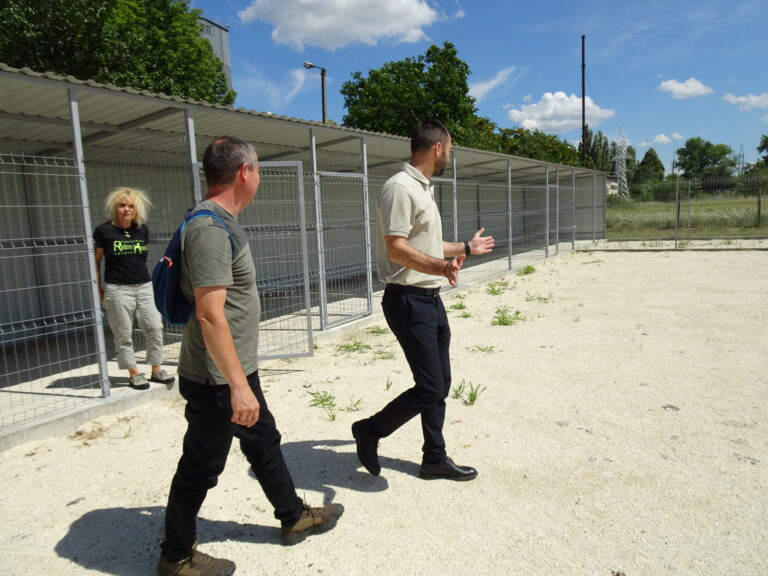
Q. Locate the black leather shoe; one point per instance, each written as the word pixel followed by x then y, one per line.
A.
pixel 367 448
pixel 447 470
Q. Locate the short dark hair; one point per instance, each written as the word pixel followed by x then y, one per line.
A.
pixel 426 134
pixel 223 158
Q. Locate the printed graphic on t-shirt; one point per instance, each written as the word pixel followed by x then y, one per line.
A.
pixel 128 247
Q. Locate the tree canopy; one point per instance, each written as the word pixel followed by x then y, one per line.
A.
pixel 537 145
pixel 395 97
pixel 599 151
pixel 152 45
pixel 763 148
pixel 650 169
pixel 701 158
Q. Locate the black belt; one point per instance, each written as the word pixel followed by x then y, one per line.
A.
pixel 433 292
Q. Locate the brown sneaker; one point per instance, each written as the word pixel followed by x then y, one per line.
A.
pixel 312 521
pixel 199 564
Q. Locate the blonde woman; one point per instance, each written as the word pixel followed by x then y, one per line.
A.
pixel 122 242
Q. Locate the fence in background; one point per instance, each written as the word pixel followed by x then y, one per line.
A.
pixel 312 237
pixel 681 210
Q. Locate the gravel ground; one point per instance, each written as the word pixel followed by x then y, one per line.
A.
pixel 620 429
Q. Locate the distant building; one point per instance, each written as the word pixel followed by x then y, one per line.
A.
pixel 218 36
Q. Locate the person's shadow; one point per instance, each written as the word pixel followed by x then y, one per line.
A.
pixel 126 541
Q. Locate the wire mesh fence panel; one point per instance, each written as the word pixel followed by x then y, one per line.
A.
pixel 47 318
pixel 164 175
pixel 482 205
pixel 374 189
pixel 344 240
pixel 589 211
pixel 275 224
pixel 680 209
pixel 566 217
pixel 529 222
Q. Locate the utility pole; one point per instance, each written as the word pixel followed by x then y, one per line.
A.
pixel 583 104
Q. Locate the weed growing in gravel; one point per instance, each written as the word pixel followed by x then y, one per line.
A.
pixel 326 401
pixel 354 405
pixel 473 393
pixel 465 314
pixel 355 346
pixel 497 288
pixel 467 392
pixel 458 305
pixel 383 354
pixel 538 298
pixel 481 348
pixel 526 270
pixel 377 330
pixel 457 392
pixel 388 384
pixel 504 318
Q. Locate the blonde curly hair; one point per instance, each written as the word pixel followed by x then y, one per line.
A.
pixel 138 198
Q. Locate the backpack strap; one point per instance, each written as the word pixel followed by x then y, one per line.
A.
pixel 190 215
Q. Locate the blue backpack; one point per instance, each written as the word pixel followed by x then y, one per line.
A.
pixel 166 276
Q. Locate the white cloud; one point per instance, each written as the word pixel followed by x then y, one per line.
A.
pixel 688 89
pixel 480 90
pixel 267 95
pixel 557 113
pixel 662 139
pixel 677 136
pixel 748 102
pixel 528 98
pixel 331 24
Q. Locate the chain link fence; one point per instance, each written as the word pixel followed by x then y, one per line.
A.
pixel 683 210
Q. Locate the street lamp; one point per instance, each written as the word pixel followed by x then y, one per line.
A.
pixel 308 66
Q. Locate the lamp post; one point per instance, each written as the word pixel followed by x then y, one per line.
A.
pixel 309 65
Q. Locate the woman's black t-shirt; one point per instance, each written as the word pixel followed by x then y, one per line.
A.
pixel 125 253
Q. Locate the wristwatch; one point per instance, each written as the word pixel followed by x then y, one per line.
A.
pixel 467 250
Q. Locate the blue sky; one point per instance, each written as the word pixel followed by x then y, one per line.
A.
pixel 661 71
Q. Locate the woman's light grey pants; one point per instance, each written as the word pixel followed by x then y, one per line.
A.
pixel 124 301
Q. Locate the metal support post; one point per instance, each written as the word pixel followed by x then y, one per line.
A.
pixel 367 225
pixel 194 166
pixel 321 280
pixel 82 185
pixel 546 213
pixel 573 217
pixel 509 215
pixel 557 211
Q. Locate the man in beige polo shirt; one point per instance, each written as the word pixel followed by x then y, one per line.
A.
pixel 411 260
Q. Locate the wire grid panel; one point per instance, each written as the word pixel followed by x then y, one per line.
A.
pixel 483 205
pixel 566 220
pixel 375 185
pixel 164 175
pixel 717 207
pixel 345 249
pixel 529 221
pixel 48 347
pixel 275 224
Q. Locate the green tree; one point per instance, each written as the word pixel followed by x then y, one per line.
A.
pixel 152 45
pixel 537 145
pixel 395 97
pixel 650 169
pixel 598 151
pixel 701 158
pixel 762 148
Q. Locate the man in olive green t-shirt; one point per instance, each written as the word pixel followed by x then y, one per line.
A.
pixel 218 372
